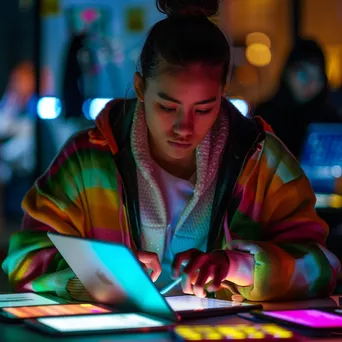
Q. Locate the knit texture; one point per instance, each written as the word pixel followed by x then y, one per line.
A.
pixel 195 219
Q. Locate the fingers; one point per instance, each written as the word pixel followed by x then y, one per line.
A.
pixel 221 262
pixel 187 281
pixel 150 261
pixel 180 259
pixel 218 276
pixel 156 269
pixel 197 261
pixel 194 283
pixel 201 269
pixel 198 271
pixel 237 298
pixel 204 276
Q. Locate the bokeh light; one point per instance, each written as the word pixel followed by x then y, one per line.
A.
pixel 258 54
pixel 258 37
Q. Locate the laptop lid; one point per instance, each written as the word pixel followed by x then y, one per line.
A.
pixel 321 157
pixel 112 275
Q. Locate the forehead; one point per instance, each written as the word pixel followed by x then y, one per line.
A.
pixel 310 67
pixel 200 80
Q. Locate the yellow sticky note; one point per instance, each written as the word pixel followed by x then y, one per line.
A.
pixel 49 7
pixel 135 19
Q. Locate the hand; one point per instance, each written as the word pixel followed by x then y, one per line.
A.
pixel 150 260
pixel 200 270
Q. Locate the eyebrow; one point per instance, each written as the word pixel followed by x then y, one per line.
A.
pixel 171 99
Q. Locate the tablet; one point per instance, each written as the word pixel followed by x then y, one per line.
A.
pixel 24 299
pixel 193 307
pixel 95 324
pixel 306 318
pixel 25 312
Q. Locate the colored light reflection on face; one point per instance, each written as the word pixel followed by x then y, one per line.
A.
pixel 306 81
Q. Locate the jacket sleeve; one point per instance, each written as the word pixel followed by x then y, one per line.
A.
pixel 54 203
pixel 289 259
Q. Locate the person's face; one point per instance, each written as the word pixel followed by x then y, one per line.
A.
pixel 180 109
pixel 306 81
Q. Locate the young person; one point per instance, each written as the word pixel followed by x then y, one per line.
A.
pixel 178 175
pixel 302 97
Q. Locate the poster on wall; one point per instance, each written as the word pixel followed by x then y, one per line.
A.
pixel 91 19
pixel 49 7
pixel 135 19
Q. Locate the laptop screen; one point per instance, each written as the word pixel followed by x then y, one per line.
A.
pixel 321 157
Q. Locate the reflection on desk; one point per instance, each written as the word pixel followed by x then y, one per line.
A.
pixel 302 304
pixel 18 332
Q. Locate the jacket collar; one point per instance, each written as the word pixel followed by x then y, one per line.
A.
pixel 113 127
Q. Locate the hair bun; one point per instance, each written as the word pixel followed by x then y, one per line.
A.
pixel 182 8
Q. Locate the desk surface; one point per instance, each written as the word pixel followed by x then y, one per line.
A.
pixel 18 332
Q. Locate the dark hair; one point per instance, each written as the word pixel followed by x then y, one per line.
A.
pixel 185 37
pixel 305 50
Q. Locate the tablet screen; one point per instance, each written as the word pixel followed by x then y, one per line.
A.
pixel 308 318
pixel 192 303
pixel 23 312
pixel 100 322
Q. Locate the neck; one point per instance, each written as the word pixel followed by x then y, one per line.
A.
pixel 180 168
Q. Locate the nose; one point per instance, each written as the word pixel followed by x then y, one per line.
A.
pixel 184 125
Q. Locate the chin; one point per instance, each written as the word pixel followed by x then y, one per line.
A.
pixel 179 154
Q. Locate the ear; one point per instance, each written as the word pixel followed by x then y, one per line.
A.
pixel 139 86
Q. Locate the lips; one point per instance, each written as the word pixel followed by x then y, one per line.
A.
pixel 179 144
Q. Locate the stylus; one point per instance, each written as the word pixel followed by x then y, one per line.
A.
pixel 169 287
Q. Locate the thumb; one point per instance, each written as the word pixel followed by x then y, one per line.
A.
pixel 151 261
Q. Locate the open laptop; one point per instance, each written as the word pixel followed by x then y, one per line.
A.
pixel 321 160
pixel 112 275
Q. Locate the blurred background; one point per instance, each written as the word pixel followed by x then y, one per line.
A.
pixel 61 61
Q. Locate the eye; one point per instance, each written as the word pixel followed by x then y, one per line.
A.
pixel 167 109
pixel 203 111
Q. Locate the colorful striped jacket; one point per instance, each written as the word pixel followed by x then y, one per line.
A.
pixel 90 190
